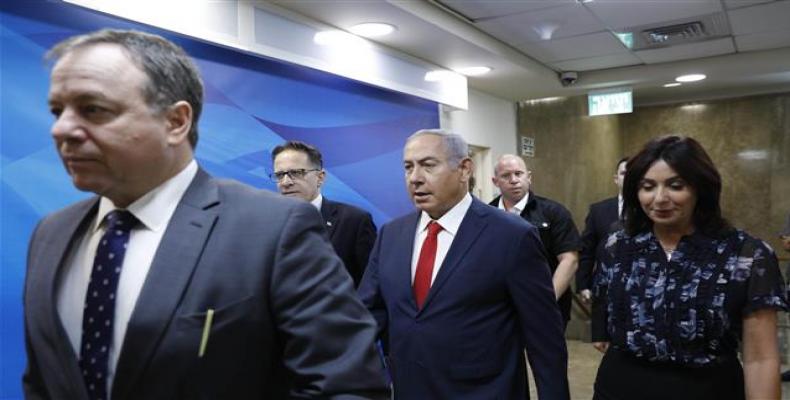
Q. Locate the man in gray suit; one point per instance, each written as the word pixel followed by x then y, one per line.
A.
pixel 169 283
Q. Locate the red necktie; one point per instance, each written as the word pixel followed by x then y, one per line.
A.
pixel 422 277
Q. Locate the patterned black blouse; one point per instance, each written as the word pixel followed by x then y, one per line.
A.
pixel 688 310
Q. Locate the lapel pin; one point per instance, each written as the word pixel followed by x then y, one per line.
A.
pixel 545 224
pixel 328 223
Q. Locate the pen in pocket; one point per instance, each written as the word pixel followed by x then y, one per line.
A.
pixel 206 331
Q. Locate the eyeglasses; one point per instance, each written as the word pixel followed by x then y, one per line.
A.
pixel 294 174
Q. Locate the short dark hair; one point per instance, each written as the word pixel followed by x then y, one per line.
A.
pixel 690 161
pixel 620 161
pixel 312 153
pixel 172 76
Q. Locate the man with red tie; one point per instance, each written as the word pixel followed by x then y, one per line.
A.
pixel 461 289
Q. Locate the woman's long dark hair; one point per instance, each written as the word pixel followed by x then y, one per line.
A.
pixel 687 157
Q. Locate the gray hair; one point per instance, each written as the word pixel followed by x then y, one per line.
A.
pixel 172 76
pixel 457 149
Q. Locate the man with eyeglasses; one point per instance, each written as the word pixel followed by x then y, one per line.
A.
pixel 298 172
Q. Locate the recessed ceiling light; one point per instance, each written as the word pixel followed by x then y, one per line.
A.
pixel 338 38
pixel 372 29
pixel 753 154
pixel 543 100
pixel 690 78
pixel 474 71
pixel 673 84
pixel 441 75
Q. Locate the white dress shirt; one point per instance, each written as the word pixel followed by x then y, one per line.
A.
pixel 153 210
pixel 450 222
pixel 317 201
pixel 517 208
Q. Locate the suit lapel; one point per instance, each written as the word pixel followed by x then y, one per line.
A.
pixel 611 216
pixel 329 212
pixel 472 225
pixel 403 253
pixel 55 253
pixel 611 209
pixel 171 269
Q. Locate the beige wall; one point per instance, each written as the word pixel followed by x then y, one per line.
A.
pixel 748 139
pixel 574 154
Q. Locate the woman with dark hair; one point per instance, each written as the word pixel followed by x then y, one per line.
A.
pixel 678 289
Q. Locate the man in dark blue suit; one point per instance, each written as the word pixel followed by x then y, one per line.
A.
pixel 171 284
pixel 462 289
pixel 602 219
pixel 299 173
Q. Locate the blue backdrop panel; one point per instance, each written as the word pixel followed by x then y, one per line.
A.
pixel 251 105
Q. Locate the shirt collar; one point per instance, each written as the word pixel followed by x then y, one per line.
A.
pixel 317 201
pixel 516 209
pixel 451 220
pixel 154 208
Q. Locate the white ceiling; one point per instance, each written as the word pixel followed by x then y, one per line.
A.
pixel 527 42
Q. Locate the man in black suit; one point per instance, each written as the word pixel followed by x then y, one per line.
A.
pixel 299 173
pixel 602 219
pixel 554 222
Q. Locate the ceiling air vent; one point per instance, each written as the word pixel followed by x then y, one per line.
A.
pixel 672 33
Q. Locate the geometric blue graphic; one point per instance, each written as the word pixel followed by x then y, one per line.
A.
pixel 251 104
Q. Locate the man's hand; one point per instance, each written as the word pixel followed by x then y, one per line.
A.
pixel 586 295
pixel 601 346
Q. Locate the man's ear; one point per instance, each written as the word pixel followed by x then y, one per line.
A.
pixel 466 166
pixel 179 122
pixel 321 177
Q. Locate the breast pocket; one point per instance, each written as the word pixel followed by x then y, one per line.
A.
pixel 226 339
pixel 223 313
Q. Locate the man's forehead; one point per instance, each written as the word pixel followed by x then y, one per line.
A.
pixel 512 164
pixel 424 148
pixel 95 57
pixel 93 67
pixel 291 155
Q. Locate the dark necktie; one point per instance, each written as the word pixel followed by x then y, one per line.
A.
pixel 99 312
pixel 424 272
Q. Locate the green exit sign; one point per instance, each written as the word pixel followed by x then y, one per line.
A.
pixel 610 101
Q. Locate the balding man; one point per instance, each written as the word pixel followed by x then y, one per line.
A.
pixel 554 222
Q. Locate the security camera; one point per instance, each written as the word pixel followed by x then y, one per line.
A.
pixel 568 78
